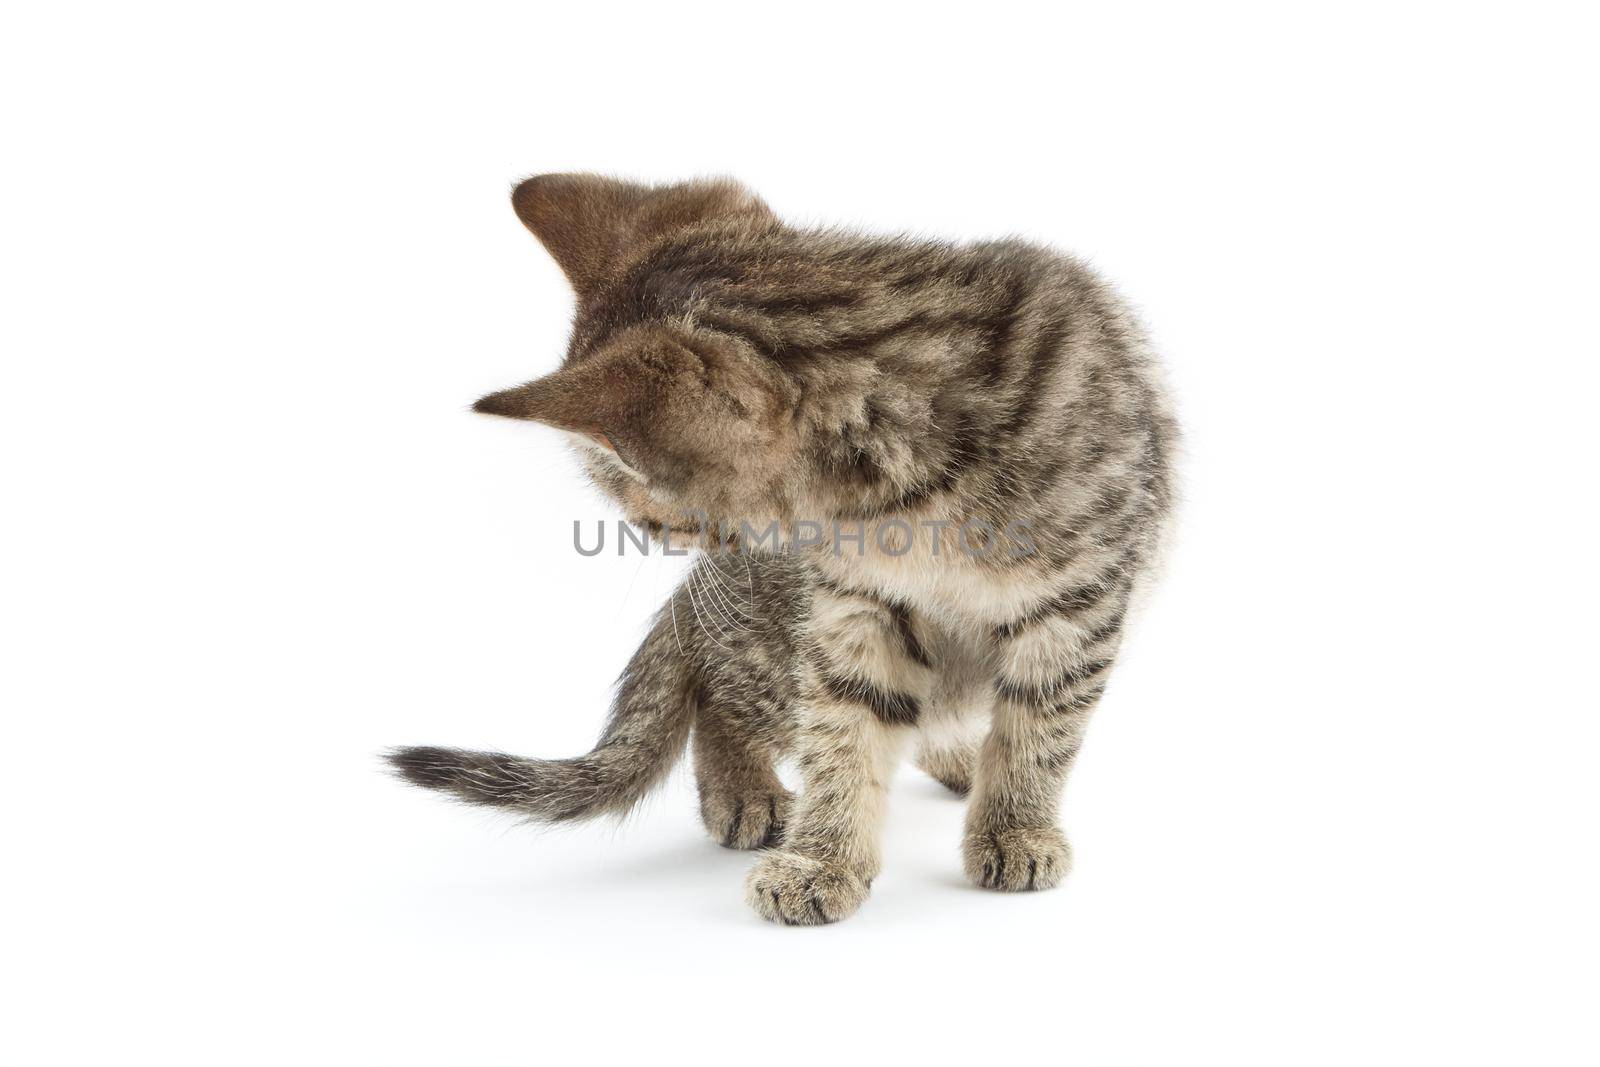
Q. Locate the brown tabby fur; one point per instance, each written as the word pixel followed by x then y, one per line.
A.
pixel 727 367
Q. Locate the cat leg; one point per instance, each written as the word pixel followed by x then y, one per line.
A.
pixel 1051 669
pixel 866 680
pixel 952 764
pixel 952 726
pixel 742 802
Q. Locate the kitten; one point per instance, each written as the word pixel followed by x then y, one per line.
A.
pixel 966 454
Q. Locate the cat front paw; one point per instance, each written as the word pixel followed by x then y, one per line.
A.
pixel 1016 860
pixel 745 819
pixel 798 890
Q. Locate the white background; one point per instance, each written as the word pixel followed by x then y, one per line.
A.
pixel 1338 807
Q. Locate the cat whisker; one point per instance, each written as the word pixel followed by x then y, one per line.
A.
pixel 700 618
pixel 714 585
pixel 717 600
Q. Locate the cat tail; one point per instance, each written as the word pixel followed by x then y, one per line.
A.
pixel 645 737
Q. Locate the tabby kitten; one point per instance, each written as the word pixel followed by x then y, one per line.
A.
pixel 909 405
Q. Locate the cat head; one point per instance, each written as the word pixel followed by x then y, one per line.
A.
pixel 672 421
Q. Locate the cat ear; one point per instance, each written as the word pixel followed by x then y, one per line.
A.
pixel 565 400
pixel 593 401
pixel 589 223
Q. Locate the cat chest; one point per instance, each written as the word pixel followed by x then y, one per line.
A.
pixel 964 594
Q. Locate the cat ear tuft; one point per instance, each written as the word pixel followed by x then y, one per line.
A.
pixel 508 403
pixel 590 224
pixel 548 400
pixel 579 399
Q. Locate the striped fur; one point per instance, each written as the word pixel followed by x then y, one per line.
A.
pixel 914 399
